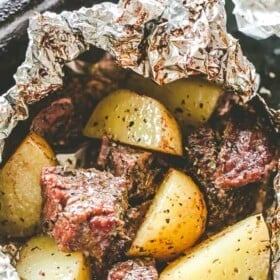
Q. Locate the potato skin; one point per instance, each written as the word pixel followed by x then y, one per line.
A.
pixel 20 191
pixel 135 120
pixel 174 221
pixel 241 251
pixel 40 258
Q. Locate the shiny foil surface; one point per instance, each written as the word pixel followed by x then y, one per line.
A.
pixel 259 19
pixel 161 39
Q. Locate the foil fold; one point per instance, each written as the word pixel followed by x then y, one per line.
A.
pixel 161 39
pixel 274 222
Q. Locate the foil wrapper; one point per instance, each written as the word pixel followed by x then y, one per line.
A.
pixel 259 19
pixel 160 39
pixel 7 271
pixel 274 222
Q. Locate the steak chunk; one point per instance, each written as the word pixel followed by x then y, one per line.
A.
pixel 246 155
pixel 202 150
pixel 134 270
pixel 57 123
pixel 83 209
pixel 133 219
pixel 224 206
pixel 137 165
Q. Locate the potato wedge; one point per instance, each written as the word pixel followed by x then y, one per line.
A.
pixel 174 221
pixel 40 258
pixel 20 191
pixel 241 251
pixel 191 101
pixel 136 120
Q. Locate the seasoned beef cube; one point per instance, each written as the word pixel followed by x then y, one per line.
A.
pixel 246 155
pixel 224 206
pixel 138 269
pixel 202 150
pixel 83 209
pixel 135 164
pixel 57 123
pixel 230 206
pixel 133 219
pixel 88 89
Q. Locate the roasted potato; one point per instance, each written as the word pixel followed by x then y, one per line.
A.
pixel 191 101
pixel 136 120
pixel 146 86
pixel 174 221
pixel 241 251
pixel 40 258
pixel 20 191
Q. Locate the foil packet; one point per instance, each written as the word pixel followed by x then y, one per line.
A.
pixel 258 19
pixel 160 39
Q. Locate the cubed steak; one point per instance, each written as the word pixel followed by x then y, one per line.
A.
pixel 83 209
pixel 247 154
pixel 224 206
pixel 58 123
pixel 138 269
pixel 137 165
pixel 133 219
pixel 232 165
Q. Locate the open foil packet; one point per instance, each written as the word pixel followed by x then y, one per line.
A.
pixel 160 39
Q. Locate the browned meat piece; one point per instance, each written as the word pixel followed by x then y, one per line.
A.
pixel 246 155
pixel 202 149
pixel 224 206
pixel 107 75
pixel 133 218
pixel 138 269
pixel 58 123
pixel 135 164
pixel 83 209
pixel 86 91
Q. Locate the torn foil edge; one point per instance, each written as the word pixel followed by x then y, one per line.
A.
pixel 161 39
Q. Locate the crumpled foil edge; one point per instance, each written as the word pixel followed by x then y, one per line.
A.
pixel 7 271
pixel 159 39
pixel 273 221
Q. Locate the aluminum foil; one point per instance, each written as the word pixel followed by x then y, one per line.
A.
pixel 7 271
pixel 274 222
pixel 162 39
pixel 259 19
